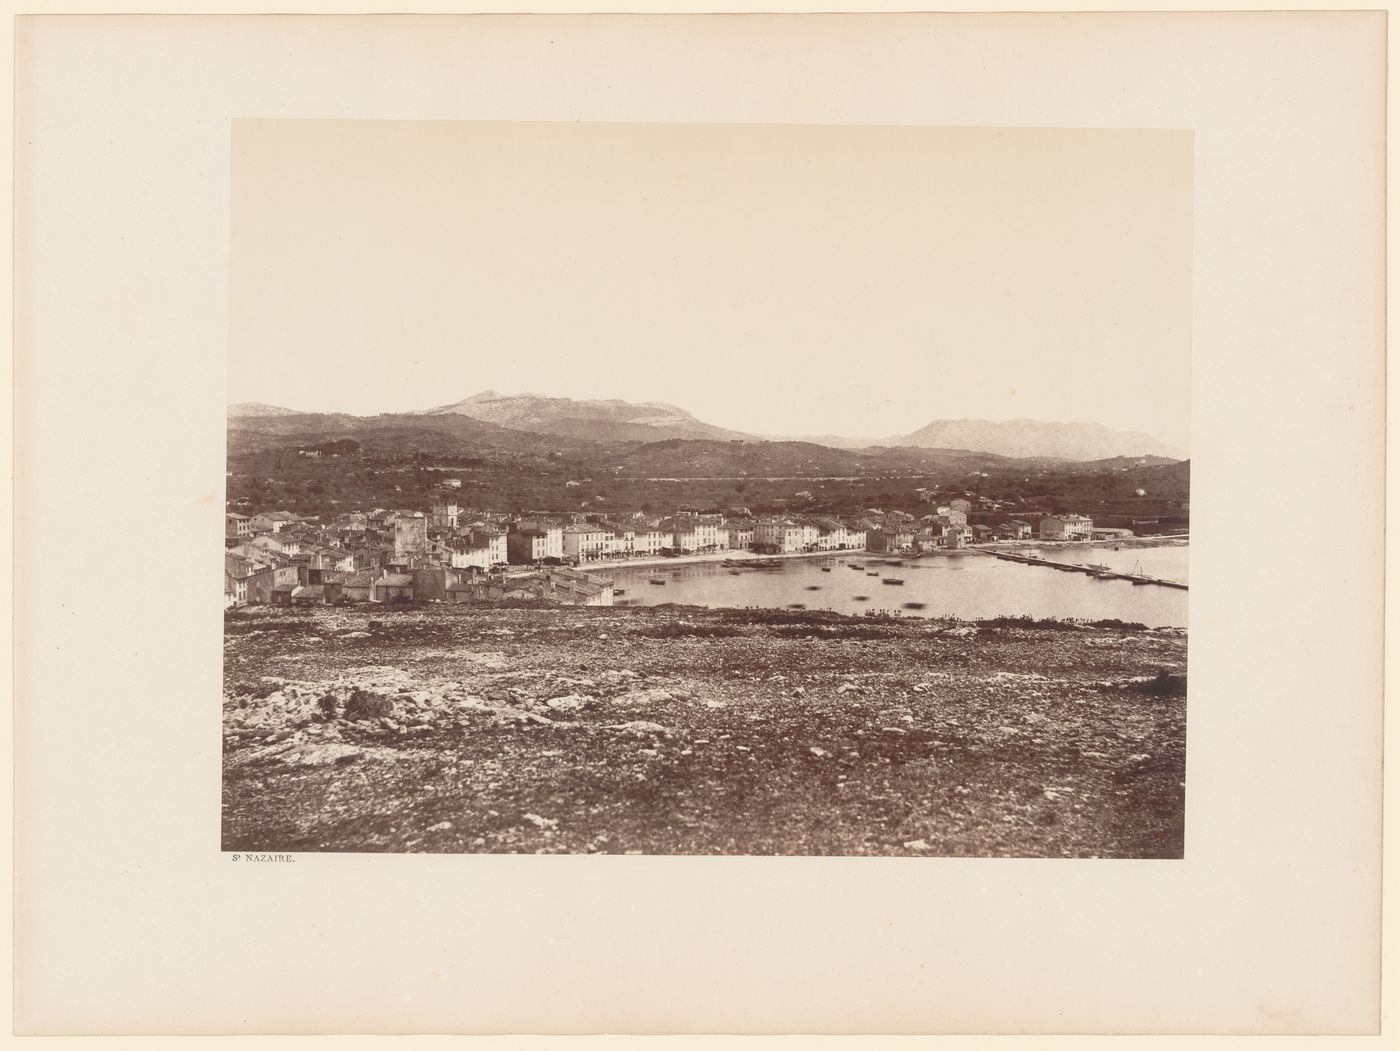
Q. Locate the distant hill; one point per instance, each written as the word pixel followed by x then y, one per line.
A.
pixel 832 441
pixel 257 408
pixel 388 433
pixel 1035 438
pixel 685 458
pixel 598 421
pixel 1128 463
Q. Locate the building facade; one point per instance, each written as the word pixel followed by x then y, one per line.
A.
pixel 1066 527
pixel 410 537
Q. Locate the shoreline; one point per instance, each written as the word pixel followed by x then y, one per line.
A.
pixel 717 556
pixel 744 556
pixel 1132 541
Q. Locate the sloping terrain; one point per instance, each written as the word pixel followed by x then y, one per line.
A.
pixel 675 731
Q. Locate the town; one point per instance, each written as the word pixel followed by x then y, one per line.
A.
pixel 456 555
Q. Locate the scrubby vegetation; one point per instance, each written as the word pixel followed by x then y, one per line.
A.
pixel 680 730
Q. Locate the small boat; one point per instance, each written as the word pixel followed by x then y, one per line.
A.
pixel 814 587
pixel 656 580
pixel 916 605
pixel 826 569
pixel 735 573
pixel 872 572
pixel 857 565
pixel 619 591
pixel 797 605
pixel 891 580
pixel 894 561
pixel 862 598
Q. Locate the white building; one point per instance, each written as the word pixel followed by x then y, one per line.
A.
pixel 584 543
pixel 650 540
pixel 526 545
pixel 1066 527
pixel 778 536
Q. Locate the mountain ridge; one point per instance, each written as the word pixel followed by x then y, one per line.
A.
pixel 248 409
pixel 1024 437
pixel 611 419
pixel 616 420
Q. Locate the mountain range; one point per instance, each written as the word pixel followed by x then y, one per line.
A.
pixel 611 420
pixel 1021 438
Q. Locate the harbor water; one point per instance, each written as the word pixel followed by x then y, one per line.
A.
pixel 969 584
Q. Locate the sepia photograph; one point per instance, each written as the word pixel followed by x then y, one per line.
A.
pixel 707 489
pixel 699 481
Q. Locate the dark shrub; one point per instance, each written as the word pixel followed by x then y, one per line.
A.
pixel 1165 684
pixel 1045 623
pixel 364 705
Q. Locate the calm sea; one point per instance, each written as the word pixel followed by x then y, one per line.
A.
pixel 964 584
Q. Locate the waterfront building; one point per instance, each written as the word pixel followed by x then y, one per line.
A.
pixel 1107 533
pixel 650 540
pixel 890 539
pixel 777 536
pixel 957 536
pixel 525 545
pixel 739 535
pixel 693 533
pixel 584 543
pixel 1066 527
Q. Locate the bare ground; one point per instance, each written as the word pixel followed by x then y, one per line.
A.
pixel 671 730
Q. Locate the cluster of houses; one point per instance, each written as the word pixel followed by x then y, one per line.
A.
pixel 451 554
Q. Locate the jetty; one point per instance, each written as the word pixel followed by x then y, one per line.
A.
pixel 1097 572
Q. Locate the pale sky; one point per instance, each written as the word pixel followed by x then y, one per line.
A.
pixel 776 279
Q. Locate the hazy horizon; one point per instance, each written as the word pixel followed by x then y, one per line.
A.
pixel 771 279
pixel 652 401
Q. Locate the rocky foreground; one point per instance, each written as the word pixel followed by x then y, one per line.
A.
pixel 671 730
